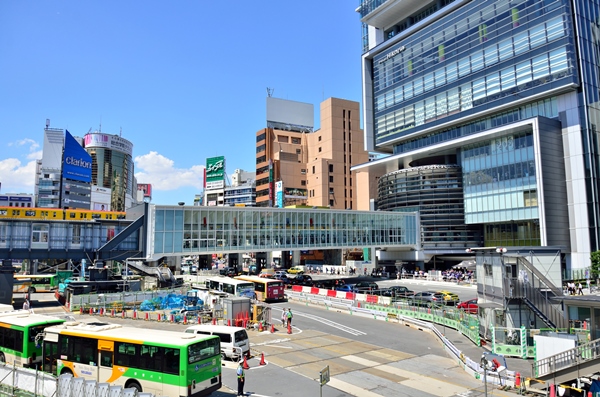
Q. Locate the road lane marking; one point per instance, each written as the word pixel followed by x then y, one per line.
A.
pixel 333 324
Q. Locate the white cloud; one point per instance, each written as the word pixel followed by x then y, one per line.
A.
pixel 35 155
pixel 33 145
pixel 17 177
pixel 159 171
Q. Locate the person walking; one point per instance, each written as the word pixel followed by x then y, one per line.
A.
pixel 26 305
pixel 289 317
pixel 587 281
pixel 241 378
pixel 579 288
pixel 283 317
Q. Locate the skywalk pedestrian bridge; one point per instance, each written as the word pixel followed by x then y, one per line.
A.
pixel 151 232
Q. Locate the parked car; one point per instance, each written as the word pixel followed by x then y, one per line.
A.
pixel 296 270
pixel 469 306
pixel 228 271
pixel 365 286
pixel 345 288
pixel 283 278
pixel 428 298
pixel 450 298
pixel 302 279
pixel 281 273
pixel 398 291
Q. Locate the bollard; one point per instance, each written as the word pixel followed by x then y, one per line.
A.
pixel 91 311
pixel 134 314
pixel 147 316
pixel 112 312
pixel 158 319
pixel 124 314
pixel 552 390
pixel 80 309
pixel 199 319
pixel 214 321
pixel 228 322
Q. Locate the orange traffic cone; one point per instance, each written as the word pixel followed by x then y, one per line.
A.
pixel 289 328
pixel 260 327
pixel 246 366
pixel 214 321
pixel 262 359
pixel 80 309
pixel 229 322
pixel 272 328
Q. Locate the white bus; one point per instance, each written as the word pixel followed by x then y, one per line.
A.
pixel 231 286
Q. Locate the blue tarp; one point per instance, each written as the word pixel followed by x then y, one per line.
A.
pixel 167 302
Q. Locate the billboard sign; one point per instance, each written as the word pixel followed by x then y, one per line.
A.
pixel 215 172
pixel 279 194
pixel 146 188
pixel 113 142
pixel 77 163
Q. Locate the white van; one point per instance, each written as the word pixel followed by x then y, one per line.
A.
pixel 233 339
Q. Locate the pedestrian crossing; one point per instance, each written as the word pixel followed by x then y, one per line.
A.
pixel 362 369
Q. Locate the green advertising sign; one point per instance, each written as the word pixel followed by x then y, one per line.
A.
pixel 215 170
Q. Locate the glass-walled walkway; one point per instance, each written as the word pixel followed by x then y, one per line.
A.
pixel 181 230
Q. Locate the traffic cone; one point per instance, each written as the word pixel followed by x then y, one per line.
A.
pixel 134 314
pixel 158 318
pixel 229 322
pixel 262 359
pixel 517 379
pixel 91 311
pixel 112 313
pixel 80 309
pixel 260 327
pixel 123 314
pixel 246 366
pixel 147 316
pixel 289 328
pixel 184 319
pixel 272 328
pixel 214 321
pixel 199 319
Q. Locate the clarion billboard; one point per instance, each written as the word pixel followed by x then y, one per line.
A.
pixel 77 163
pixel 215 172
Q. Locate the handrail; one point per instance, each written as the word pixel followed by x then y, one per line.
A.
pixel 583 353
pixel 541 278
pixel 534 297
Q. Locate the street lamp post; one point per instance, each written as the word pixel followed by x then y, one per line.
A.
pixel 484 366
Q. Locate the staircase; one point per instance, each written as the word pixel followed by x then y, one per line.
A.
pixel 537 293
pixel 163 273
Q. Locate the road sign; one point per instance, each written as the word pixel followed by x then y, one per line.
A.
pixel 324 375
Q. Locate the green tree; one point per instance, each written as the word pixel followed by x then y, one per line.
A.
pixel 595 257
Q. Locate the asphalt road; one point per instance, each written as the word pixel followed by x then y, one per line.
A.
pixel 365 357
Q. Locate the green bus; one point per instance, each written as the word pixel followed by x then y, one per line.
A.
pixel 39 282
pixel 165 363
pixel 18 332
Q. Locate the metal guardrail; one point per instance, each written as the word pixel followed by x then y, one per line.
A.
pixel 583 353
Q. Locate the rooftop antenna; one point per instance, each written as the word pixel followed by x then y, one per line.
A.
pixel 47 123
pixel 270 92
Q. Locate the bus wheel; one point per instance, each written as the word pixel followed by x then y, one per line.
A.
pixel 31 290
pixel 133 385
pixel 66 371
pixel 2 358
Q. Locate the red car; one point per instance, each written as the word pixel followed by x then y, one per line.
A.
pixel 469 306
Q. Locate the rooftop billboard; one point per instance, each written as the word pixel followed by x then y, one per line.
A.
pixel 77 163
pixel 215 172
pixel 113 142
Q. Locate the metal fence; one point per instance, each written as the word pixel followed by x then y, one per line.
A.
pixel 583 353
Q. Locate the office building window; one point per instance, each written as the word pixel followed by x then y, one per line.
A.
pixel 320 150
pixel 330 167
pixel 330 178
pixel 295 141
pixel 313 169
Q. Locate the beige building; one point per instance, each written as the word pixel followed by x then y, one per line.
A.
pixel 312 168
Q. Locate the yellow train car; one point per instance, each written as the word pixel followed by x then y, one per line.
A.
pixel 31 213
pixel 58 214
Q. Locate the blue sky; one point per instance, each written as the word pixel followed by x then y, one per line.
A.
pixel 182 80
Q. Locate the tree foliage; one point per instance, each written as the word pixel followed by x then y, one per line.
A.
pixel 595 257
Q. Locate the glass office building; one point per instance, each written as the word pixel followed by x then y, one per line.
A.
pixel 506 91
